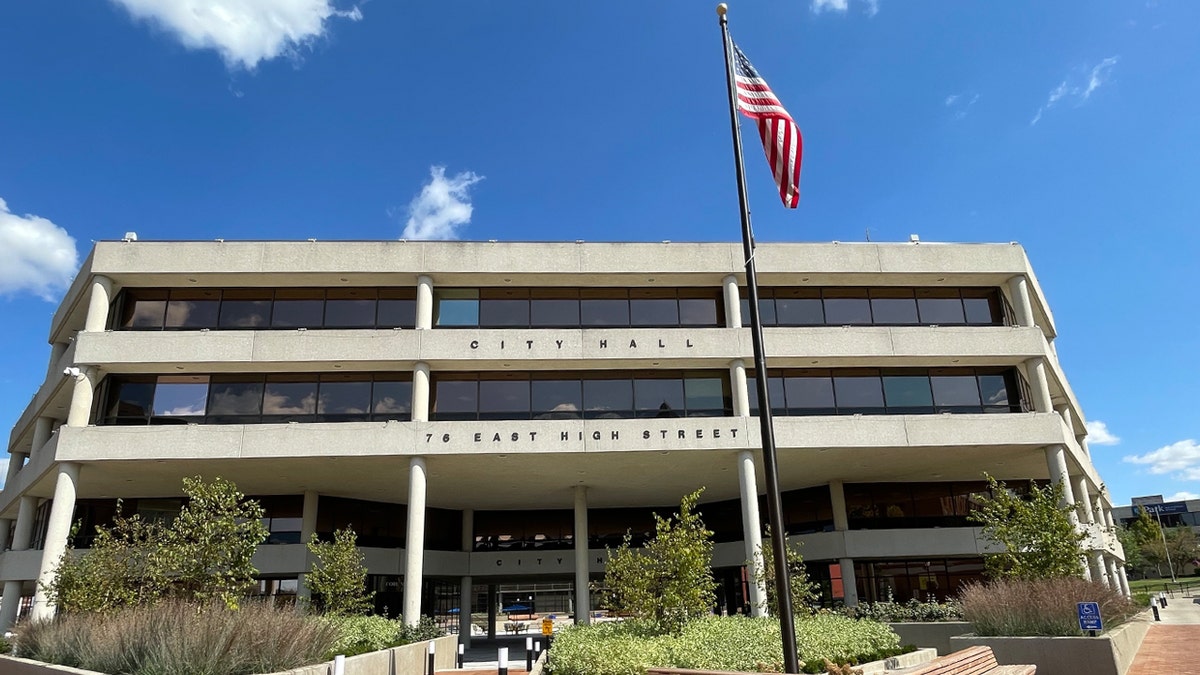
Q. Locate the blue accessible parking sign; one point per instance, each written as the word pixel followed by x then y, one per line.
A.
pixel 1089 616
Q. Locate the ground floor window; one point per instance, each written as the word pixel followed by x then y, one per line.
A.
pixel 932 580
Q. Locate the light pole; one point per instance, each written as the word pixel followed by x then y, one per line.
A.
pixel 1161 531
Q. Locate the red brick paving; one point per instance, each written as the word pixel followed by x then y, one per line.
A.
pixel 1168 650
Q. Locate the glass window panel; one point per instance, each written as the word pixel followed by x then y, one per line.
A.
pixel 554 308
pixel 654 311
pixel 456 307
pixel 298 308
pixel 503 399
pixel 391 399
pixel 955 391
pixel 290 397
pixel 774 390
pixel 858 393
pixel 498 313
pixel 131 399
pixel 810 395
pixel 698 312
pixel 144 309
pixel 557 399
pixel 893 306
pixel 932 500
pixel 350 308
pixel 940 306
pixel 604 312
pixel 234 397
pixel 456 399
pixel 706 396
pixel 245 309
pixel 193 309
pixel 847 307
pixel 766 310
pixel 799 307
pixel 344 397
pixel 996 395
pixel 607 398
pixel 659 397
pixel 907 393
pixel 181 395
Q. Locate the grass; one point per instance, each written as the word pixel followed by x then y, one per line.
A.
pixel 178 638
pixel 1156 585
pixel 1040 606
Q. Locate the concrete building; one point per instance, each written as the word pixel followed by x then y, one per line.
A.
pixel 472 409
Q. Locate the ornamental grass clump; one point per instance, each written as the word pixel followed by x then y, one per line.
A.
pixel 180 638
pixel 1048 607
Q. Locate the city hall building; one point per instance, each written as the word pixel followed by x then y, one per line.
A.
pixel 490 416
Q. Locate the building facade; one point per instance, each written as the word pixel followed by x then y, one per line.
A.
pixel 490 416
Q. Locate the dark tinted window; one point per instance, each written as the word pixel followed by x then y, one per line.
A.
pixel 397 309
pixel 290 398
pixel 144 308
pixel 554 308
pixel 659 397
pixel 952 392
pixel 350 308
pixel 456 400
pixel 193 309
pixel 607 398
pixel 130 401
pixel 652 307
pixel 893 306
pixel 940 307
pixel 245 309
pixel 499 399
pixel 391 399
pixel 982 306
pixel 182 397
pixel 344 397
pixel 598 308
pixel 847 307
pixel 799 307
pixel 504 308
pixel 907 393
pixel 707 396
pixel 557 399
pixel 233 397
pixel 861 393
pixel 699 312
pixel 298 308
pixel 810 394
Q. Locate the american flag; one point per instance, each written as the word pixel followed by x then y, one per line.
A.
pixel 780 136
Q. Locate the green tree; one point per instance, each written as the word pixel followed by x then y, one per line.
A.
pixel 338 579
pixel 668 582
pixel 1037 535
pixel 1180 549
pixel 1139 539
pixel 803 591
pixel 209 547
pixel 122 568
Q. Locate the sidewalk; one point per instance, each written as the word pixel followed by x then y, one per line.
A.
pixel 1172 645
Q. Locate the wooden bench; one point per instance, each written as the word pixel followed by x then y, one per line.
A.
pixel 977 660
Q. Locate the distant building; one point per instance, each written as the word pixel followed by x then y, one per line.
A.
pixel 490 416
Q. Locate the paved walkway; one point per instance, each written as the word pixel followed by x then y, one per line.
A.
pixel 1172 646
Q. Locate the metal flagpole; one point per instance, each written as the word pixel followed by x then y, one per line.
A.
pixel 774 502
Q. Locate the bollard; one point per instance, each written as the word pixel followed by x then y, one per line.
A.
pixel 1155 608
pixel 1163 595
pixel 461 650
pixel 502 658
pixel 432 649
pixel 528 654
pixel 339 664
pixel 537 649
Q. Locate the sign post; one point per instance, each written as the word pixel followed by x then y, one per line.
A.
pixel 1089 617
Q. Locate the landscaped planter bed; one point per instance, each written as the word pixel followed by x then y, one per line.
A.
pixel 1110 653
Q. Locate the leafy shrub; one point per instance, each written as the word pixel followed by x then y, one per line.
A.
pixel 361 634
pixel 338 579
pixel 1141 599
pixel 179 638
pixel 913 610
pixel 1040 606
pixel 717 643
pixel 5 646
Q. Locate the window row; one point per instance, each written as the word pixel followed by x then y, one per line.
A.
pixel 923 580
pixel 890 391
pixel 611 394
pixel 251 399
pixel 265 308
pixel 807 306
pixel 577 308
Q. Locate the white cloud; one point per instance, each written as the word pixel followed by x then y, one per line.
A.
pixel 1098 434
pixel 961 104
pixel 951 99
pixel 442 207
pixel 1079 91
pixel 243 32
pixel 1181 459
pixel 35 255
pixel 842 6
pixel 1181 497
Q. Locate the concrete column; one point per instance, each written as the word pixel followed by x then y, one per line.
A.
pixel 56 353
pixel 752 531
pixel 80 412
pixel 583 596
pixel 424 302
pixel 465 596
pixel 42 428
pixel 23 532
pixel 414 546
pixel 1056 461
pixel 1110 574
pixel 1018 288
pixel 308 527
pixel 1083 445
pixel 1083 499
pixel 6 526
pixel 98 304
pixel 1096 567
pixel 849 582
pixel 57 530
pixel 10 605
pixel 1121 577
pixel 15 462
pixel 468 530
pixel 420 392
pixel 1108 516
pixel 837 497
pixel 733 302
pixel 739 387
pixel 1087 572
pixel 1039 385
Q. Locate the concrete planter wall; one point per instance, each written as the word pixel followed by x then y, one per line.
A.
pixel 1108 654
pixel 406 660
pixel 934 634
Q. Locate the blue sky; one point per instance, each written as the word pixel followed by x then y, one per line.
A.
pixel 1070 127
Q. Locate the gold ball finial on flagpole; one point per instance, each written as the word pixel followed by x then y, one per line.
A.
pixel 721 9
